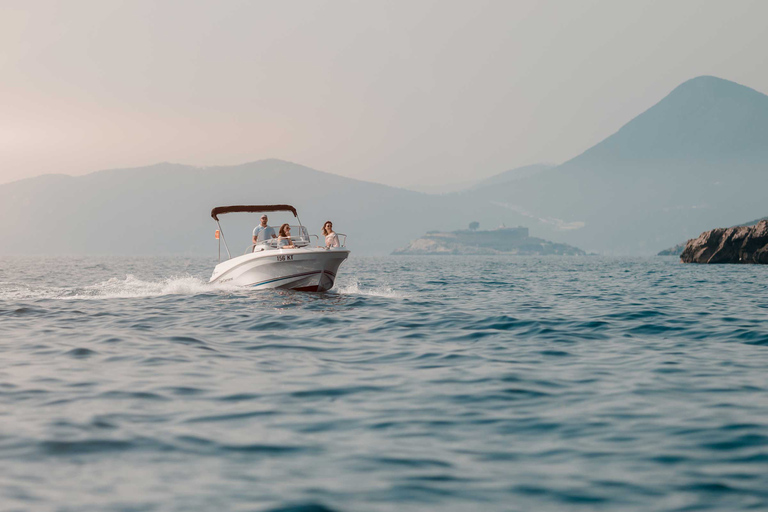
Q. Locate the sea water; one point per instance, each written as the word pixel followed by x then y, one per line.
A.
pixel 417 383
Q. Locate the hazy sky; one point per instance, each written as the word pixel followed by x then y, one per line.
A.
pixel 406 93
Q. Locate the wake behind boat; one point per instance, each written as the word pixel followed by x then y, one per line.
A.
pixel 266 265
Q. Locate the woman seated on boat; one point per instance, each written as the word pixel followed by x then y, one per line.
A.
pixel 284 238
pixel 331 238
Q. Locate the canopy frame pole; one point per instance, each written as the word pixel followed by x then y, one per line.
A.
pixel 221 232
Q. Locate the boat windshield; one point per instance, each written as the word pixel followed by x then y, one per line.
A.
pixel 299 237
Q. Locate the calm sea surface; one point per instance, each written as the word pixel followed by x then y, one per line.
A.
pixel 418 383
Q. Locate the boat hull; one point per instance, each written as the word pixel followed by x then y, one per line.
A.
pixel 311 270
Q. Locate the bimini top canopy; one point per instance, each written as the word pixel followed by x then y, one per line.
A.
pixel 255 208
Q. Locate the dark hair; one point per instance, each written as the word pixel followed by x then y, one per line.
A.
pixel 326 233
pixel 283 228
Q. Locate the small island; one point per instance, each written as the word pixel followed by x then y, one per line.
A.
pixel 473 241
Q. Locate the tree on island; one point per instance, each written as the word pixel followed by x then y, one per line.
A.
pixel 474 225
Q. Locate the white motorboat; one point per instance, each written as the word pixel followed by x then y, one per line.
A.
pixel 264 265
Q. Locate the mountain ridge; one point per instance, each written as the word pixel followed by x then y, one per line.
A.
pixel 630 205
pixel 165 208
pixel 686 101
pixel 604 200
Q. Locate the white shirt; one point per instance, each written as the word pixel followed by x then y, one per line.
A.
pixel 332 240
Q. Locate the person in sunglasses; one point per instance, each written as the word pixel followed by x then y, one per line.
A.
pixel 284 240
pixel 331 238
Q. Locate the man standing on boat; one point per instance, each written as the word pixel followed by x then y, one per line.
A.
pixel 263 231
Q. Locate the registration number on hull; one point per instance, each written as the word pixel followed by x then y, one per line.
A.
pixel 285 257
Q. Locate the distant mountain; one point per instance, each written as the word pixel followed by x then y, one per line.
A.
pixel 697 158
pixel 502 177
pixel 515 174
pixel 704 119
pixel 165 208
pixel 437 187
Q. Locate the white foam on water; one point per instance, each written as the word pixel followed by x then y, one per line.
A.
pixel 114 288
pixel 132 287
pixel 354 288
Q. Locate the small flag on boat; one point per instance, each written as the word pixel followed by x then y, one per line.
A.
pixel 217 234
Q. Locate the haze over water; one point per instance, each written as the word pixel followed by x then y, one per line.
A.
pixel 465 383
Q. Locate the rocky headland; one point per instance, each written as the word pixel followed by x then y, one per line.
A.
pixel 679 248
pixel 476 242
pixel 740 244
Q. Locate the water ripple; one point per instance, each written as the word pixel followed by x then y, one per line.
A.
pixel 498 383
